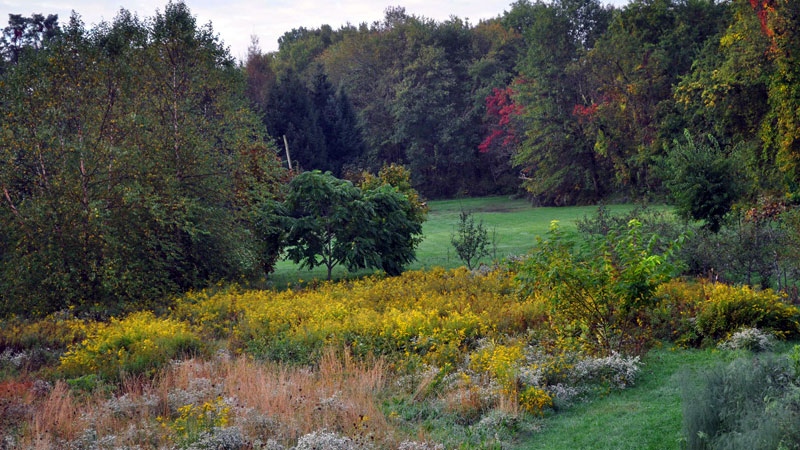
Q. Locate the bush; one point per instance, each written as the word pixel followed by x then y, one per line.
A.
pixel 437 316
pixel 140 344
pixel 750 403
pixel 704 182
pixel 757 247
pixel 56 332
pixel 470 240
pixel 726 309
pixel 751 339
pixel 696 313
pixel 673 314
pixel 599 291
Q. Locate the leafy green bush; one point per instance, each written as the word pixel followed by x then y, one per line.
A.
pixel 704 182
pixel 139 344
pixel 599 287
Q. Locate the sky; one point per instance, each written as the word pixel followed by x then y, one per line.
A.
pixel 236 21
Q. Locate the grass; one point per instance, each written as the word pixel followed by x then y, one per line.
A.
pixel 646 416
pixel 512 223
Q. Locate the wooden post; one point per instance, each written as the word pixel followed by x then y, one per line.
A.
pixel 288 158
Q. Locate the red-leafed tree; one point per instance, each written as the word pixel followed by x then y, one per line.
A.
pixel 501 113
pixel 503 136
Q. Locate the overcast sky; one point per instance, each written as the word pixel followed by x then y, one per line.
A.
pixel 235 21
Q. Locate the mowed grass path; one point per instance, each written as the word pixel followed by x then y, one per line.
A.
pixel 512 223
pixel 647 416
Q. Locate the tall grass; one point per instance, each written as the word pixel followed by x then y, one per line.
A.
pixel 274 402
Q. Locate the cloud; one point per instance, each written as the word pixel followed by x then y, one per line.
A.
pixel 235 21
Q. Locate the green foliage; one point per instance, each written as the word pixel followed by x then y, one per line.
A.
pixel 704 181
pixel 128 170
pixel 756 247
pixel 695 314
pixel 394 231
pixel 470 240
pixel 327 216
pixel 26 34
pixel 557 158
pixel 399 213
pixel 600 290
pixel 331 222
pixel 750 403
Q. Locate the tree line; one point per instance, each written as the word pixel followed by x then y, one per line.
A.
pixel 568 101
pixel 139 159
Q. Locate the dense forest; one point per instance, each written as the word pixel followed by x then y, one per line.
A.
pixel 570 100
pixel 139 159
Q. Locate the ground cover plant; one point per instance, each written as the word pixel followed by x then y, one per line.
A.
pixel 438 358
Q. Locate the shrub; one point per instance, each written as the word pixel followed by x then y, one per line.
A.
pixel 212 312
pixel 614 370
pixel 704 180
pixel 675 308
pixel 750 403
pixel 56 331
pixel 194 422
pixel 502 362
pixel 535 400
pixel 437 316
pixel 751 339
pixel 140 344
pixel 599 290
pixel 694 314
pixel 325 439
pixel 470 240
pixel 727 309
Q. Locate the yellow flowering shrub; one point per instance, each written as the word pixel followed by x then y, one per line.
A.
pixel 673 316
pixel 56 331
pixel 726 309
pixel 502 362
pixel 437 315
pixel 138 344
pixel 535 400
pixel 693 313
pixel 212 314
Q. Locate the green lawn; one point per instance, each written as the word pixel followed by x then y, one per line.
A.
pixel 645 416
pixel 648 415
pixel 514 223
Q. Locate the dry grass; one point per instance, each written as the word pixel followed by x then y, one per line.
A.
pixel 263 400
pixel 57 418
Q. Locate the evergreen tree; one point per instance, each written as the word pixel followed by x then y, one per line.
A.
pixel 291 113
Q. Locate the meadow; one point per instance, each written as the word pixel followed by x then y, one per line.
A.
pixel 438 358
pixel 512 224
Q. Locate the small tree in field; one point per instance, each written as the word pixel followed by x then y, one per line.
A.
pixel 331 222
pixel 705 180
pixel 326 219
pixel 470 239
